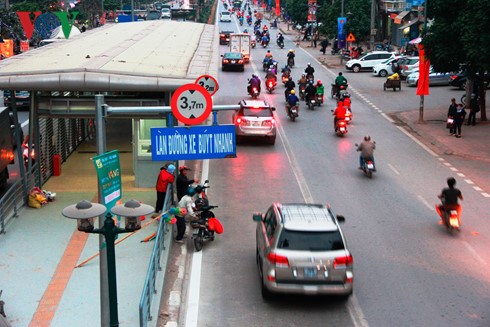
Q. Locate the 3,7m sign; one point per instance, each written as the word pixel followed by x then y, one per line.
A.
pixel 191 143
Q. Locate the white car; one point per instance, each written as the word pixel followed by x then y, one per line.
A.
pixel 225 16
pixel 166 13
pixel 368 61
pixel 384 69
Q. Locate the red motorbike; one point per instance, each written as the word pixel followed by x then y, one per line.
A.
pixel 270 85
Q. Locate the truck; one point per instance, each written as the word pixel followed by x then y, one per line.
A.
pixel 6 146
pixel 240 42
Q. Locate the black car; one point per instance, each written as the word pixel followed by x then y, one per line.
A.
pixel 232 60
pixel 459 80
pixel 224 37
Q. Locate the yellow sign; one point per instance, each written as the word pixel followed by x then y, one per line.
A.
pixel 351 38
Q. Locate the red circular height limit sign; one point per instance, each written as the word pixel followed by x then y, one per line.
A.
pixel 209 83
pixel 191 104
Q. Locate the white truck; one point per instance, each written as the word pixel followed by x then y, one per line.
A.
pixel 240 42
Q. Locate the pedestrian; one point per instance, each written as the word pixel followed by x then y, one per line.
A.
pixel 305 35
pixel 183 182
pixel 165 177
pixel 187 202
pixel 316 36
pixel 324 45
pixel 451 113
pixel 459 119
pixel 474 108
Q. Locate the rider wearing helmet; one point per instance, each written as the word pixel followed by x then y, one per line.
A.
pixel 302 82
pixel 270 75
pixel 290 85
pixel 291 100
pixel 291 56
pixel 310 91
pixel 309 71
pixel 320 89
pixel 367 151
pixel 339 114
pixel 449 197
pixel 253 82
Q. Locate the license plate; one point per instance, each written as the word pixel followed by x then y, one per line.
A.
pixel 453 221
pixel 310 272
pixel 370 166
pixel 293 111
pixel 256 123
pixel 233 61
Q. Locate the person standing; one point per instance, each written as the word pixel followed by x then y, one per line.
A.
pixel 474 108
pixel 187 202
pixel 459 119
pixel 165 177
pixel 324 45
pixel 451 113
pixel 316 36
pixel 183 182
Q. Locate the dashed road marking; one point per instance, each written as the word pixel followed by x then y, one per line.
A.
pixel 460 174
pixel 394 169
pixel 476 188
pixel 486 195
pixel 427 204
pixel 469 181
pixel 453 168
pixel 474 253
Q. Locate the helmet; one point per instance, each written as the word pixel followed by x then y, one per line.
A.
pixel 291 50
pixel 199 203
pixel 340 73
pixel 319 82
pixel 308 64
pixel 191 191
pixel 293 92
pixel 245 31
pixel 367 138
pixel 171 168
pixel 182 168
pixel 303 75
pixel 254 76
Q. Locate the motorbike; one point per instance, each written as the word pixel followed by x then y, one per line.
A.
pixel 265 65
pixel 335 51
pixel 253 43
pixel 285 77
pixel 302 91
pixel 319 99
pixel 201 231
pixel 254 92
pixel 311 103
pixel 310 77
pixel 270 84
pixel 241 22
pixel 293 112
pixel 249 23
pixel 450 219
pixel 335 91
pixel 280 44
pixel 340 127
pixel 291 62
pixel 201 191
pixel 368 166
pixel 264 43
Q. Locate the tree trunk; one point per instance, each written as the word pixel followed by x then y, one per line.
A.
pixel 481 95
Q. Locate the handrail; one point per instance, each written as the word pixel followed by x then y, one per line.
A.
pixel 149 287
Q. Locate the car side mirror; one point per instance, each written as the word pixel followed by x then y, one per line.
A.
pixel 257 216
pixel 340 219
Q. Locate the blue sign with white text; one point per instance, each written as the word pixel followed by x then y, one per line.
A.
pixel 191 143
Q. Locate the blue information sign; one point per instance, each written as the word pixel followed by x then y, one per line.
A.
pixel 191 143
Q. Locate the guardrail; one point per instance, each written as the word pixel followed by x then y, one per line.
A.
pixel 13 200
pixel 154 267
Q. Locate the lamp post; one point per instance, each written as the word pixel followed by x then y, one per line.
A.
pixel 85 213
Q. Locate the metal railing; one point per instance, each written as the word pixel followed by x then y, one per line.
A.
pixel 149 289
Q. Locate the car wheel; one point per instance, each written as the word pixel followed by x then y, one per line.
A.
pixel 383 73
pixel 271 140
pixel 238 139
pixel 356 68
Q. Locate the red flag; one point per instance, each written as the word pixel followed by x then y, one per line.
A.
pixel 278 8
pixel 424 67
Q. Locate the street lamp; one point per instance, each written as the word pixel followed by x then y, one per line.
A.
pixel 85 213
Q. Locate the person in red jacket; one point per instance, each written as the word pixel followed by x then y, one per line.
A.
pixel 165 177
pixel 339 114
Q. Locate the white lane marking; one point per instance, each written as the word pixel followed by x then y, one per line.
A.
pixel 486 195
pixel 476 188
pixel 453 169
pixel 460 174
pixel 441 159
pixel 474 253
pixel 447 164
pixel 385 116
pixel 192 309
pixel 24 124
pixel 425 203
pixel 413 138
pixel 394 169
pixel 356 313
pixel 469 181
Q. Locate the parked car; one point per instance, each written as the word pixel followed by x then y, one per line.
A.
pixel 411 65
pixel 255 119
pixel 232 60
pixel 434 78
pixel 166 13
pixel 224 37
pixel 459 80
pixel 153 15
pixel 300 249
pixel 368 61
pixel 225 16
pixel 385 68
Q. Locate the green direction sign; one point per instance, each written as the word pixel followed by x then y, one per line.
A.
pixel 108 171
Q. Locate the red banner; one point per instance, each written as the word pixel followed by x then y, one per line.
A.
pixel 26 22
pixel 278 8
pixel 424 67
pixel 24 45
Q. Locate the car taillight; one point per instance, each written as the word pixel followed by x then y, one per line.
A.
pixel 269 122
pixel 278 260
pixel 238 121
pixel 226 61
pixel 240 61
pixel 405 67
pixel 342 262
pixel 222 35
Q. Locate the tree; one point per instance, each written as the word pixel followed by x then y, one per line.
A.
pixel 297 10
pixel 460 41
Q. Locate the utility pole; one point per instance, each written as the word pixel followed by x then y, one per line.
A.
pixel 421 107
pixel 342 8
pixel 371 32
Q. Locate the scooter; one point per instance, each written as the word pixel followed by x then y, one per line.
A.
pixel 270 85
pixel 201 191
pixel 368 166
pixel 264 43
pixel 450 219
pixel 302 91
pixel 293 113
pixel 311 103
pixel 254 92
pixel 253 43
pixel 201 231
pixel 319 99
pixel 280 44
pixel 348 115
pixel 291 62
pixel 340 127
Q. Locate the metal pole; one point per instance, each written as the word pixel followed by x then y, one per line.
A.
pixel 342 8
pixel 421 107
pixel 132 10
pixel 109 233
pixel 104 283
pixel 373 14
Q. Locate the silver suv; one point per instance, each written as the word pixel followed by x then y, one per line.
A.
pixel 300 249
pixel 255 118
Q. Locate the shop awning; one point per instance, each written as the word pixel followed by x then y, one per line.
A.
pixel 400 16
pixel 414 21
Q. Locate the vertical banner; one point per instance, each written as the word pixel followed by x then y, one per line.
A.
pixel 424 67
pixel 341 33
pixel 312 10
pixel 24 45
pixel 108 171
pixel 278 8
pixel 7 48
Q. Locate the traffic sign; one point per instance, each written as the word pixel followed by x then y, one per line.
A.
pixel 351 38
pixel 209 83
pixel 191 104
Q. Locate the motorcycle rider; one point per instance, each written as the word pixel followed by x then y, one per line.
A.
pixel 367 151
pixel 253 82
pixel 346 101
pixel 309 71
pixel 289 86
pixel 270 76
pixel 268 54
pixel 302 83
pixel 339 114
pixel 310 91
pixel 340 80
pixel 265 39
pixel 290 56
pixel 320 89
pixel 449 197
pixel 280 39
pixel 292 100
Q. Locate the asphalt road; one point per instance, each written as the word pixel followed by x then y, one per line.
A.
pixel 408 270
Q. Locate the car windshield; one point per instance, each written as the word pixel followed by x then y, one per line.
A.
pixel 311 241
pixel 225 13
pixel 387 61
pixel 233 55
pixel 256 112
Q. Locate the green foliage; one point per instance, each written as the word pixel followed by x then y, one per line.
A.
pixel 112 5
pixel 42 5
pixel 297 10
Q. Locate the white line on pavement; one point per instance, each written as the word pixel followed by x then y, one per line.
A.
pixel 476 188
pixel 425 203
pixel 460 174
pixel 394 169
pixel 474 253
pixel 469 181
pixel 486 195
